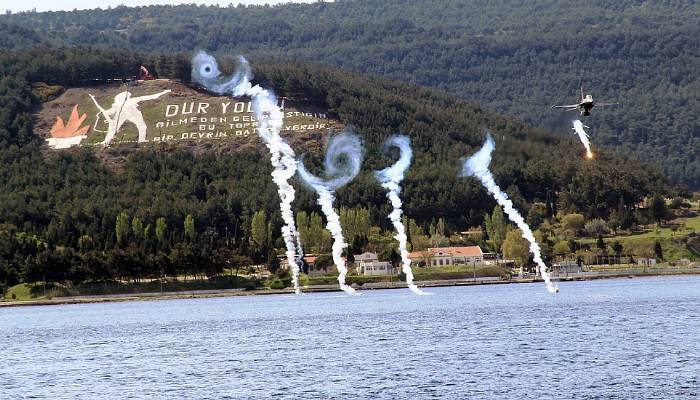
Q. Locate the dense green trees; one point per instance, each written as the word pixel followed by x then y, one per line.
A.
pixel 122 228
pixel 658 209
pixel 572 223
pixel 355 222
pixel 516 247
pixel 136 213
pixel 513 57
pixel 596 226
pixel 314 236
pixel 561 248
pixel 496 227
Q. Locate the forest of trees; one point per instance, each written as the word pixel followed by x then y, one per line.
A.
pixel 73 216
pixel 513 57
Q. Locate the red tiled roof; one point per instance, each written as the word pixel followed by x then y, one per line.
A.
pixel 365 256
pixel 309 259
pixel 461 251
pixel 469 251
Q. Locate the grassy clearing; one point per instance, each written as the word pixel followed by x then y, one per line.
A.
pixel 36 291
pixel 671 240
pixel 23 291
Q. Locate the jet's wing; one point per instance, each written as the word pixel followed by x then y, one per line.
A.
pixel 569 107
pixel 606 104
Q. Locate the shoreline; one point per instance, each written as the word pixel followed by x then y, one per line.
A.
pixel 217 293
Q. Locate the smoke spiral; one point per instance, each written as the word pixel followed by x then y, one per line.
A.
pixel 390 179
pixel 205 71
pixel 342 163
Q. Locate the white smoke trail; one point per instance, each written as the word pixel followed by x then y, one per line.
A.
pixel 342 163
pixel 478 166
pixel 578 128
pixel 391 178
pixel 205 71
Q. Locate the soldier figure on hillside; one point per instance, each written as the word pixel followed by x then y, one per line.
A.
pixel 125 108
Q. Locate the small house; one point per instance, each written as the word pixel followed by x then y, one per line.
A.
pixel 368 264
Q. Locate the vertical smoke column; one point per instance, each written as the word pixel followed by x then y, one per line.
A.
pixel 342 164
pixel 391 178
pixel 205 71
pixel 578 128
pixel 478 166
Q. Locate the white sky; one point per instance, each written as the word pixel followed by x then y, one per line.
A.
pixel 67 5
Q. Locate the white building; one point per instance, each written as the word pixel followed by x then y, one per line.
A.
pixel 645 261
pixel 377 268
pixel 368 264
pixel 566 267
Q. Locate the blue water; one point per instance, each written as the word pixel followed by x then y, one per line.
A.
pixel 632 339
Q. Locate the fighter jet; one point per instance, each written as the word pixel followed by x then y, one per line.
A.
pixel 585 106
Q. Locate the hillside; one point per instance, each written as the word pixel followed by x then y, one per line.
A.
pixel 512 57
pixel 83 218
